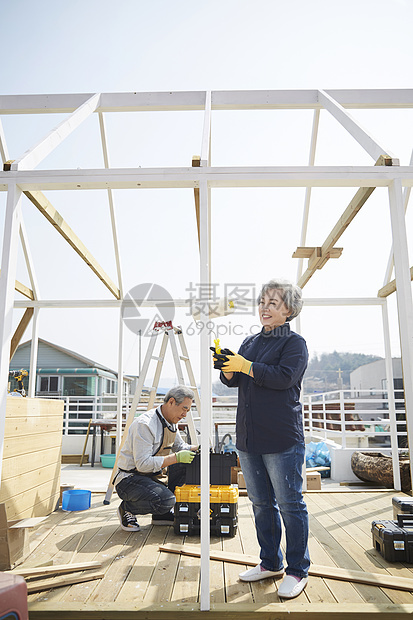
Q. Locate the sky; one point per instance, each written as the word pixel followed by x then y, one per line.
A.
pixel 92 46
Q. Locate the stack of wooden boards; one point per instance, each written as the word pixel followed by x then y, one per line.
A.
pixel 30 479
pixel 47 577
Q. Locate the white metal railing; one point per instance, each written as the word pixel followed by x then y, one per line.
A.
pixel 336 415
pixel 374 415
pixel 78 410
pixel 342 414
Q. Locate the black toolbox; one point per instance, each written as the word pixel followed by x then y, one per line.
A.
pixel 223 497
pixel 402 506
pixel 223 513
pixel 394 539
pixel 220 468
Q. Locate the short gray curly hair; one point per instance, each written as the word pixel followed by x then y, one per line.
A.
pixel 179 393
pixel 291 295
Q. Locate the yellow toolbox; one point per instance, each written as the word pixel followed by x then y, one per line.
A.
pixel 223 509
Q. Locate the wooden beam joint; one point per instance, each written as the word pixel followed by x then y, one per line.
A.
pixel 317 258
pixel 390 288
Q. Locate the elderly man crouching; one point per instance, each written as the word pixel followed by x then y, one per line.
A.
pixel 152 444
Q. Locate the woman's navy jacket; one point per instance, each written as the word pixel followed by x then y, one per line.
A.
pixel 269 414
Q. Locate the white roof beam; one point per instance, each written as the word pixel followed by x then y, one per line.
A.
pixel 306 211
pixel 354 128
pixel 182 303
pixel 195 100
pixel 31 158
pixel 206 132
pixel 21 288
pixel 111 203
pixel 28 258
pixel 390 263
pixel 266 176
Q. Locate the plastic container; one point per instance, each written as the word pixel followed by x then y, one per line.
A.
pixel 108 460
pixel 76 499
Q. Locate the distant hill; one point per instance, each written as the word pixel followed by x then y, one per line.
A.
pixel 324 371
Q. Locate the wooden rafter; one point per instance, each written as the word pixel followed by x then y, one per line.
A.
pixel 54 217
pixel 23 289
pixel 361 196
pixel 21 328
pixel 390 288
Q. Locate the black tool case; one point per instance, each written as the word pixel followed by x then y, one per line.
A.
pixel 223 497
pixel 402 506
pixel 220 464
pixel 394 539
pixel 223 516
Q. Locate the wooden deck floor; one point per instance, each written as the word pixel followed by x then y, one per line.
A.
pixel 141 582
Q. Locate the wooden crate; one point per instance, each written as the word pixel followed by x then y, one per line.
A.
pixel 30 480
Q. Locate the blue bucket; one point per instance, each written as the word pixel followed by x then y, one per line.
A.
pixel 76 499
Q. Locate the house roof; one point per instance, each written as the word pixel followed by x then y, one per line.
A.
pixel 84 360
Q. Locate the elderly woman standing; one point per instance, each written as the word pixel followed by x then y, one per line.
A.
pixel 268 371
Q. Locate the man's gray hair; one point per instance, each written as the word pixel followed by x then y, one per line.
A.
pixel 291 295
pixel 179 393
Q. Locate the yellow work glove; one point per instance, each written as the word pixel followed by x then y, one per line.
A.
pixel 185 456
pixel 232 362
pixel 220 357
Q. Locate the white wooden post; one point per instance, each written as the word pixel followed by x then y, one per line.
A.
pixel 390 397
pixel 31 393
pixel 206 394
pixel 35 320
pixel 7 280
pixel 304 467
pixel 406 196
pixel 306 212
pixel 120 382
pixel 343 419
pixel 404 301
pixel 111 204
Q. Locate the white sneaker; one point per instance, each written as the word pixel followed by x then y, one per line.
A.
pixel 256 573
pixel 290 587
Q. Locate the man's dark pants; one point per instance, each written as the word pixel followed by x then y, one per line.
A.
pixel 143 495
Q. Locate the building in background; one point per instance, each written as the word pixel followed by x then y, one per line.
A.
pixel 372 378
pixel 61 372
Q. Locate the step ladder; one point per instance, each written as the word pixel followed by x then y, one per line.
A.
pixel 170 335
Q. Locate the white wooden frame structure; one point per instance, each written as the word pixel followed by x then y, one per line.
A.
pixel 20 177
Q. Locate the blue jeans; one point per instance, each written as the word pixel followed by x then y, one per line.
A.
pixel 142 495
pixel 274 484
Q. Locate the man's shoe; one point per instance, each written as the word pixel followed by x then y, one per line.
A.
pixel 290 587
pixel 257 573
pixel 127 520
pixel 166 519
